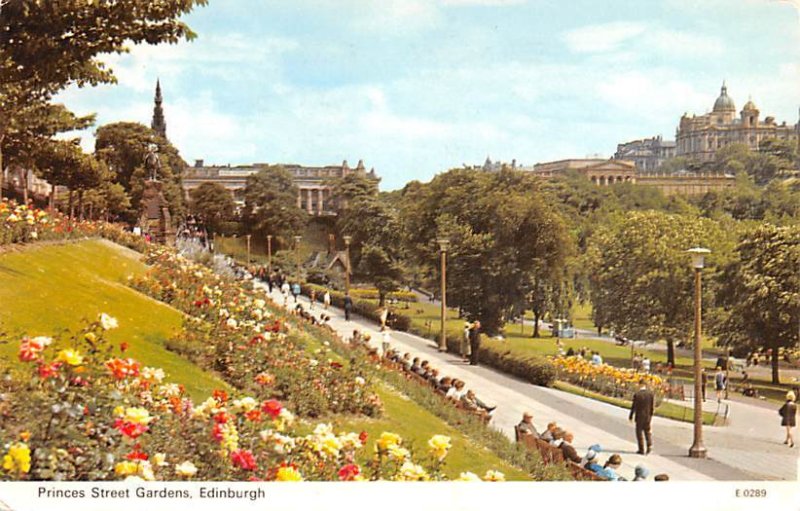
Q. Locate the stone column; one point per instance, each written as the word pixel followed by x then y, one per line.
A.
pixel 309 206
pixel 320 193
pixel 299 197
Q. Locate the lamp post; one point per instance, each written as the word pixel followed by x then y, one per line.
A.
pixel 698 450
pixel 297 254
pixel 444 243
pixel 347 240
pixel 248 249
pixel 269 253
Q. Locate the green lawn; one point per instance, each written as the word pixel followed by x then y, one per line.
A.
pixel 416 425
pixel 47 289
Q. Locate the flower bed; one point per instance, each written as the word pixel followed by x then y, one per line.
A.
pixel 234 332
pixel 24 224
pixel 606 379
pixel 89 413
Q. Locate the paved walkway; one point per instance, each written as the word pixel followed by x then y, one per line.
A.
pixel 749 448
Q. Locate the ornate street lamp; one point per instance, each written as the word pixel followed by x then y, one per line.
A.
pixel 297 254
pixel 347 240
pixel 444 244
pixel 698 450
pixel 269 253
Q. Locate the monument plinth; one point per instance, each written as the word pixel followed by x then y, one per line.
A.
pixel 155 218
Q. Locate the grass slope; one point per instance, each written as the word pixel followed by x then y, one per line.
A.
pixel 46 289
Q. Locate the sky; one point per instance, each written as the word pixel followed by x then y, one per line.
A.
pixel 415 87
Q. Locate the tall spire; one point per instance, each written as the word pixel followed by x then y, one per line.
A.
pixel 158 123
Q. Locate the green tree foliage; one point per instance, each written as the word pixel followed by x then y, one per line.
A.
pixel 759 292
pixel 501 229
pixel 641 281
pixel 123 147
pixel 64 163
pixel 46 46
pixel 213 203
pixel 354 185
pixel 270 204
pixel 375 249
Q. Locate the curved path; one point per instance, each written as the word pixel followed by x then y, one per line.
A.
pixel 749 448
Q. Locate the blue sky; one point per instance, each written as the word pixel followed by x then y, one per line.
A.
pixel 414 87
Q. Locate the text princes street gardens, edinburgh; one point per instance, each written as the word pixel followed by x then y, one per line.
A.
pixel 99 492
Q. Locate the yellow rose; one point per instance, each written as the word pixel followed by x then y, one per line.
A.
pixel 289 474
pixel 439 445
pixel 412 472
pixel 494 475
pixel 388 440
pixel 138 415
pixel 70 356
pixel 18 458
pixel 126 468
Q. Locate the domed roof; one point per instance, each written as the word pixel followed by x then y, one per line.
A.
pixel 750 105
pixel 724 103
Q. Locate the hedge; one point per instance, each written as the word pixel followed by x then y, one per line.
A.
pixel 366 308
pixel 531 368
pixel 372 294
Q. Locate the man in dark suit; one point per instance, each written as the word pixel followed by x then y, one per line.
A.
pixel 642 409
pixel 474 342
pixel 348 306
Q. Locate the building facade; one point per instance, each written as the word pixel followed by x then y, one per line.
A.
pixel 314 192
pixel 698 137
pixel 599 171
pixel 647 154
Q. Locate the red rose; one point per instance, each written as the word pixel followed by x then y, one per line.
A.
pixel 243 459
pixel 349 472
pixel 272 407
pixel 363 437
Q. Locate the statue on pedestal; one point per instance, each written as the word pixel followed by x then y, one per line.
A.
pixel 155 218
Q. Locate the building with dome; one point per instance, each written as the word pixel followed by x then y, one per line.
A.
pixel 698 137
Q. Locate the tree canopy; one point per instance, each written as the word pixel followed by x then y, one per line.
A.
pixel 270 204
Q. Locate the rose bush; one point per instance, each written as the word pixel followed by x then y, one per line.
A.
pixel 87 413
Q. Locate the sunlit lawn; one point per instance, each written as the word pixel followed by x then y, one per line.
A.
pixel 45 290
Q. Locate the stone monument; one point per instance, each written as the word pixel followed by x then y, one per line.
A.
pixel 155 219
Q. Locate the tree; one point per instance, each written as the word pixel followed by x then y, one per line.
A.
pixel 31 131
pixel 759 292
pixel 376 247
pixel 46 46
pixel 270 204
pixel 63 162
pixel 108 201
pixel 641 281
pixel 213 203
pixel 501 229
pixel 354 185
pixel 123 147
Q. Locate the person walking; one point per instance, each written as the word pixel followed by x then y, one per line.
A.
pixel 384 316
pixel 474 342
pixel 703 382
pixel 296 291
pixel 642 410
pixel 285 292
pixel 348 306
pixel 326 299
pixel 720 382
pixel 312 299
pixel 789 413
pixel 386 339
pixel 465 348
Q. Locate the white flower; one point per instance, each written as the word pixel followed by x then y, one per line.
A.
pixel 260 303
pixel 224 313
pixel 360 381
pixel 468 476
pixel 186 469
pixel 42 340
pixel 232 323
pixel 154 374
pixel 494 475
pixel 245 404
pixel 108 322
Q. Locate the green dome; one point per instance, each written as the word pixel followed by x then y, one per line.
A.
pixel 724 103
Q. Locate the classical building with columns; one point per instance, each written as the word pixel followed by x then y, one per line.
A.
pixel 600 171
pixel 699 136
pixel 313 183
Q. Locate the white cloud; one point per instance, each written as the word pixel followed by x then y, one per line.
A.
pixel 497 3
pixel 657 95
pixel 634 38
pixel 602 38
